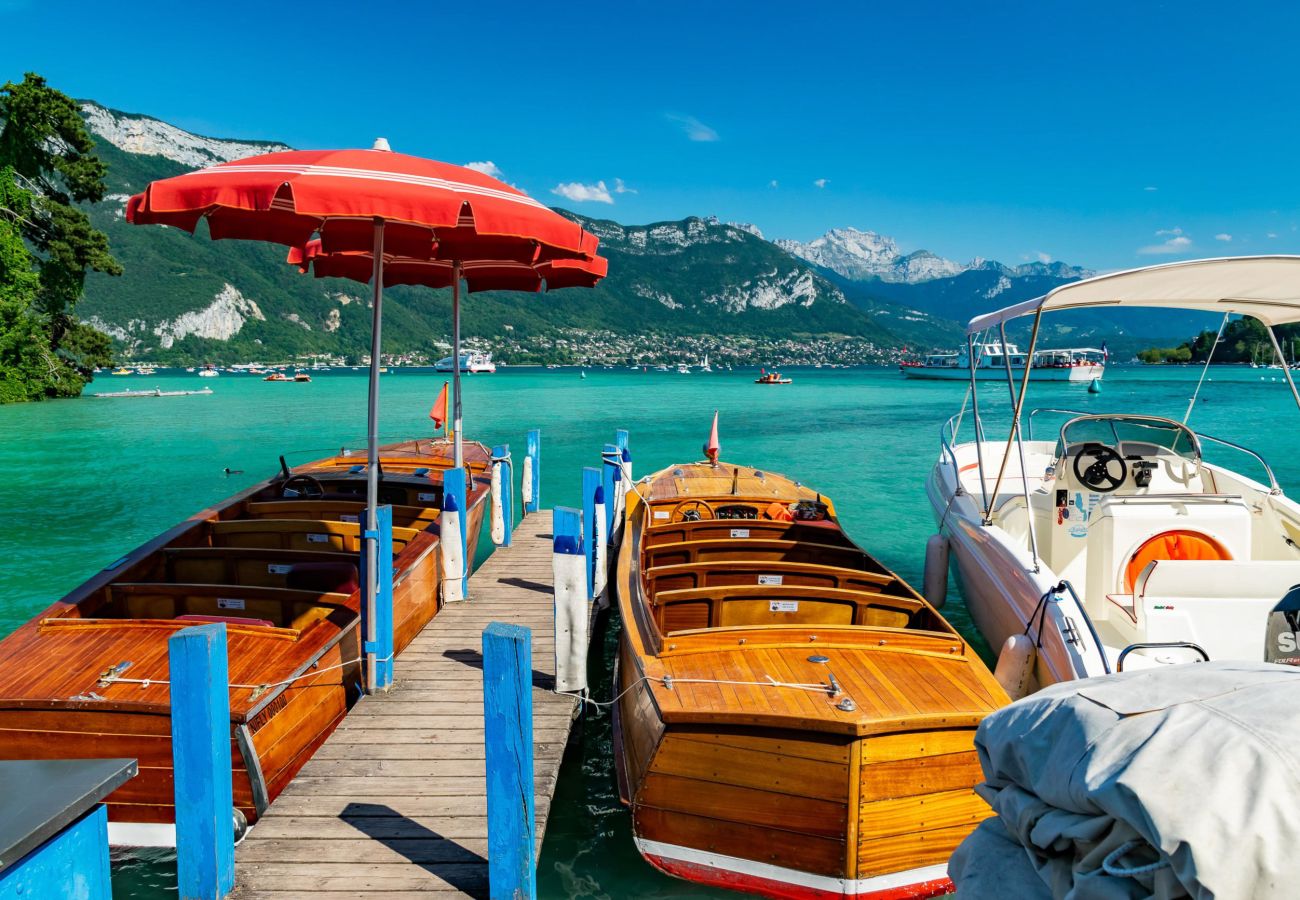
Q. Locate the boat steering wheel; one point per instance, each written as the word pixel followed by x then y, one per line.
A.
pixel 1097 474
pixel 693 511
pixel 311 486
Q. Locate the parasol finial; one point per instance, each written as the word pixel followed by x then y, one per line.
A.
pixel 381 143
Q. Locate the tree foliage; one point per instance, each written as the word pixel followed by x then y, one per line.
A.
pixel 47 243
pixel 1243 340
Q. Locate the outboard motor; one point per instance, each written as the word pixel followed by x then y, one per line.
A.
pixel 1282 637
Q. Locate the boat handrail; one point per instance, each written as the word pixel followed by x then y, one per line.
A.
pixel 948 436
pixel 1273 486
pixel 1065 585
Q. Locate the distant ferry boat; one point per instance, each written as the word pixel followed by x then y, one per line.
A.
pixel 472 362
pixel 1079 364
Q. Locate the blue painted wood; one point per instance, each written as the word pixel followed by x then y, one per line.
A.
pixel 73 863
pixel 502 451
pixel 610 458
pixel 620 439
pixel 590 481
pixel 508 740
pixel 566 530
pixel 382 648
pixel 205 833
pixel 535 451
pixel 454 484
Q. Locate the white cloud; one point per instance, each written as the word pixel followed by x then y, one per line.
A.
pixel 1272 234
pixel 487 167
pixel 1225 237
pixel 1044 257
pixel 1150 188
pixel 621 188
pixel 821 182
pixel 583 193
pixel 773 183
pixel 694 128
pixel 1174 242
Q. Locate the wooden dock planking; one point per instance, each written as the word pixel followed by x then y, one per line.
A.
pixel 393 805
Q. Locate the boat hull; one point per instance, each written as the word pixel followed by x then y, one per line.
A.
pixel 1085 374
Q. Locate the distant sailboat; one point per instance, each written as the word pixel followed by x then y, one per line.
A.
pixel 704 366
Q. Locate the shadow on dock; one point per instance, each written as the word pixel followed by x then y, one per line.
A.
pixel 474 659
pixel 458 866
pixel 527 585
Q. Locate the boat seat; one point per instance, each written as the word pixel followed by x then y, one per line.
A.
pixel 1175 544
pixel 283 608
pixel 744 529
pixel 241 565
pixel 755 550
pixel 338 510
pixel 735 605
pixel 740 572
pixel 297 534
pixel 333 577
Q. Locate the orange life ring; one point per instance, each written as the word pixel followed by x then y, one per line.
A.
pixel 1173 545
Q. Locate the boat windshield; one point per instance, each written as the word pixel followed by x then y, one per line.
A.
pixel 1127 431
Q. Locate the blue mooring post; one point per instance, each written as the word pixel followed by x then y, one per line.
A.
pixel 508 740
pixel 502 452
pixel 379 652
pixel 610 458
pixel 590 481
pixel 454 483
pixel 620 439
pixel 534 452
pixel 205 827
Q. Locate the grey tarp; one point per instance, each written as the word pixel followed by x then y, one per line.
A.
pixel 1179 781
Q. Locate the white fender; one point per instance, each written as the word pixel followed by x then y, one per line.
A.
pixel 498 510
pixel 527 488
pixel 569 564
pixel 1015 668
pixel 453 563
pixel 935 586
pixel 600 555
pixel 620 509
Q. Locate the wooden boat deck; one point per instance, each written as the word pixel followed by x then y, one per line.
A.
pixel 393 805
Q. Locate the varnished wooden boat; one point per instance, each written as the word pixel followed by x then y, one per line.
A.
pixel 794 720
pixel 279 564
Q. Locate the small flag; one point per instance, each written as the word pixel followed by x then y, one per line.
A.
pixel 439 411
pixel 712 447
pixel 1104 354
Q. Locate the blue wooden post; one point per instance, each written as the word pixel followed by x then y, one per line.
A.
pixel 610 458
pixel 508 740
pixel 590 481
pixel 620 439
pixel 502 452
pixel 200 717
pixel 535 476
pixel 454 483
pixel 379 652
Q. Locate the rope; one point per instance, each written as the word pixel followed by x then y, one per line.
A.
pixel 669 681
pixel 312 673
pixel 1111 867
pixel 1191 403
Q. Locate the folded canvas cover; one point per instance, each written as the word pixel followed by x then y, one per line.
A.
pixel 1178 781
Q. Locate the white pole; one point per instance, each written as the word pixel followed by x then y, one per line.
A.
pixel 372 456
pixel 598 529
pixel 455 365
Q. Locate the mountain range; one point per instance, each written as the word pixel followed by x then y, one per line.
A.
pixel 187 298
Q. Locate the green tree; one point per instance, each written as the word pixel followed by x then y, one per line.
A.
pixel 47 166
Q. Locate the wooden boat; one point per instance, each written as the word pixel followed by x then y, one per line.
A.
pixel 771 378
pixel 794 720
pixel 278 564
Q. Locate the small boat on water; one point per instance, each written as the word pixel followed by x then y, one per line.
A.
pixel 793 720
pixel 207 372
pixel 123 370
pixel 471 362
pixel 278 563
pixel 766 377
pixel 156 392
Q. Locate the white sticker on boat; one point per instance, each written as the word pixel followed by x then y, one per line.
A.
pixel 661 513
pixel 318 538
pixel 427 498
pixel 740 532
pixel 229 603
pixel 278 569
pixel 783 606
pixel 771 579
pixel 348 517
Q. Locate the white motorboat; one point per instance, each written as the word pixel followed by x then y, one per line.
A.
pixel 208 372
pixel 473 362
pixel 1108 541
pixel 1076 364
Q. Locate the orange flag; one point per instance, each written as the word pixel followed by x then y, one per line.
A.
pixel 712 447
pixel 439 411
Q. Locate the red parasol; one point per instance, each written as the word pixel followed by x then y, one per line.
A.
pixel 369 207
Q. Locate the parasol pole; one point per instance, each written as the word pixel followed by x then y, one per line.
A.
pixel 455 365
pixel 372 461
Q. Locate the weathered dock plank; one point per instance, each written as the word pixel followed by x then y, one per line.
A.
pixel 393 805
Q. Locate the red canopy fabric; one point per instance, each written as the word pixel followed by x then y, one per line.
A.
pixel 430 209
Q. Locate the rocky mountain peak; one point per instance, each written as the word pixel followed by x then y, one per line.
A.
pixel 145 136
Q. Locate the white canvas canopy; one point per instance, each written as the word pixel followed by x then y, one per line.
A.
pixel 1263 287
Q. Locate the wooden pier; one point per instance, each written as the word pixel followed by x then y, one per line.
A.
pixel 393 805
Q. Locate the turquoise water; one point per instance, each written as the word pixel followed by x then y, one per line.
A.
pixel 93 478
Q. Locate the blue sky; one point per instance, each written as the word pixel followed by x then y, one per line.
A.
pixel 1104 134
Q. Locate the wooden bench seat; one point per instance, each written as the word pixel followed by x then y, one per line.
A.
pixel 298 534
pixel 337 510
pixel 754 551
pixel 281 607
pixel 734 605
pixel 743 529
pixel 741 572
pixel 243 565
